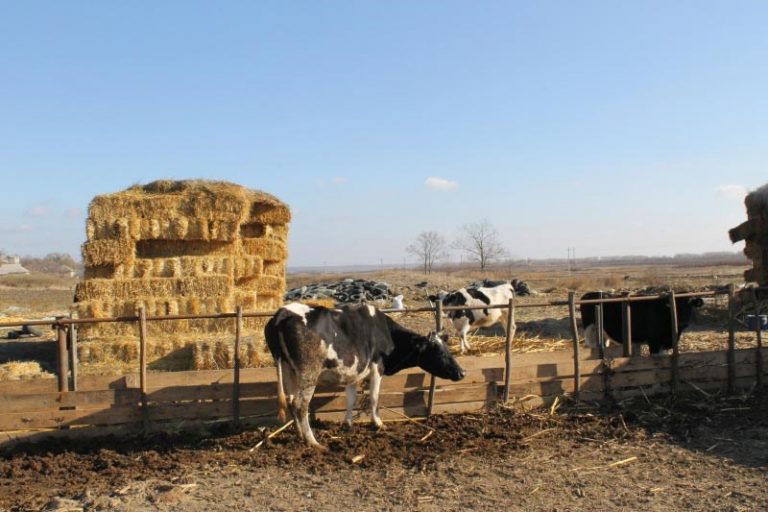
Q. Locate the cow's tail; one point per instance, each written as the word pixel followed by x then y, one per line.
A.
pixel 282 404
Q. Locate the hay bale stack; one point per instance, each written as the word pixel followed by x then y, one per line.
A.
pixel 755 233
pixel 182 247
pixel 221 355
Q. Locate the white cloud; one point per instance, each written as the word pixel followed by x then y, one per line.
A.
pixel 435 183
pixel 39 210
pixel 734 192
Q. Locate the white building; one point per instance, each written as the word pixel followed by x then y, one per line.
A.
pixel 12 266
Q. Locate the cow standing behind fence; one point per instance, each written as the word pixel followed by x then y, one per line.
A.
pixel 345 345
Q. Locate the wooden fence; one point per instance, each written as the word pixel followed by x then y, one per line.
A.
pixel 146 400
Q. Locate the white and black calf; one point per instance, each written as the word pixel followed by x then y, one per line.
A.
pixel 466 319
pixel 345 346
pixel 651 321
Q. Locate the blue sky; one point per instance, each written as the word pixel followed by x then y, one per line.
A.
pixel 612 127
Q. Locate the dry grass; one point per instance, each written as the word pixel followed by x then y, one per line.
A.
pixel 23 370
pixel 38 280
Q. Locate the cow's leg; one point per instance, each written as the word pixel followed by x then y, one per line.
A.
pixel 375 386
pixel 291 388
pixel 303 398
pixel 351 399
pixel 462 326
pixel 590 336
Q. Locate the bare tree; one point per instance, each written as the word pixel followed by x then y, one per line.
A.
pixel 428 247
pixel 480 240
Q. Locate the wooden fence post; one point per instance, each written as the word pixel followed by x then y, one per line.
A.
pixel 759 333
pixel 73 354
pixel 63 357
pixel 511 328
pixel 675 343
pixel 605 369
pixel 626 322
pixel 731 339
pixel 576 348
pixel 600 327
pixel 432 382
pixel 236 386
pixel 143 365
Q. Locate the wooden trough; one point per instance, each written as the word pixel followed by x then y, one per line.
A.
pixel 93 405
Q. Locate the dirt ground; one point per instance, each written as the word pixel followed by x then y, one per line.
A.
pixel 654 456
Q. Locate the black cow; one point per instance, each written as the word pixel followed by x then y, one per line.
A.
pixel 651 321
pixel 344 346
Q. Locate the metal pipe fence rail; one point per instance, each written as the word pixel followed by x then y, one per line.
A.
pixel 494 371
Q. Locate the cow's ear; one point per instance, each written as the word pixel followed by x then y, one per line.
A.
pixel 444 336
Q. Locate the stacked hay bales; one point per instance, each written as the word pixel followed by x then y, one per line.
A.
pixel 182 247
pixel 755 233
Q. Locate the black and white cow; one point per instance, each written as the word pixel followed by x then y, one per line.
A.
pixel 344 346
pixel 466 319
pixel 651 321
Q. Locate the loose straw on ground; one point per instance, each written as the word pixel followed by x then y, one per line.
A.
pixel 270 436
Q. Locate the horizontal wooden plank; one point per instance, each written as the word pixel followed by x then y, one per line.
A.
pixel 411 398
pixel 31 386
pixel 205 377
pixel 101 382
pixel 59 418
pixel 211 392
pixel 80 399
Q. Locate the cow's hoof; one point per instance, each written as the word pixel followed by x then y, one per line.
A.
pixel 378 426
pixel 319 448
pixel 347 425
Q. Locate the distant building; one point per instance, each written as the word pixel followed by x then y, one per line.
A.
pixel 12 266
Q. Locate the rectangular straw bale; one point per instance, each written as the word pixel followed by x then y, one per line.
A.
pixel 143 268
pixel 198 229
pixel 264 213
pixel 248 267
pixel 278 232
pixel 246 300
pixel 106 252
pixel 223 230
pixel 179 228
pixel 204 286
pixel 275 268
pixel 100 288
pixel 269 250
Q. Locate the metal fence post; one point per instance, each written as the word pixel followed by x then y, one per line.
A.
pixel 576 348
pixel 72 333
pixel 143 365
pixel 675 343
pixel 759 333
pixel 62 357
pixel 432 381
pixel 236 386
pixel 731 356
pixel 511 328
pixel 626 322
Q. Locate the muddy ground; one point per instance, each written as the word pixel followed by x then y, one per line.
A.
pixel 654 456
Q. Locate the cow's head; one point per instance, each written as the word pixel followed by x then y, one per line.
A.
pixel 435 357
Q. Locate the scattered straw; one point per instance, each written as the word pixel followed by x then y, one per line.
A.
pixel 270 436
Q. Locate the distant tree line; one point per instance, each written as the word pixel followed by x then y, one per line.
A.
pixel 52 263
pixel 479 241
